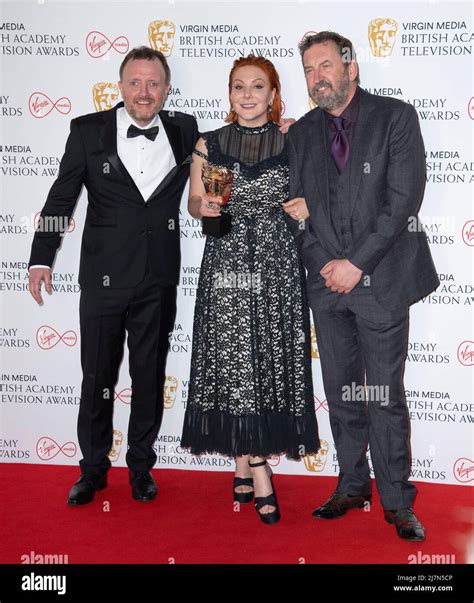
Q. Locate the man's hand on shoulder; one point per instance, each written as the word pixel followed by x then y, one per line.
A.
pixel 285 124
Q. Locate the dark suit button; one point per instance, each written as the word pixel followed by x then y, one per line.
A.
pixel 143 232
pixel 150 232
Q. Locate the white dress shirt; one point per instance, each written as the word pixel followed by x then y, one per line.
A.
pixel 147 161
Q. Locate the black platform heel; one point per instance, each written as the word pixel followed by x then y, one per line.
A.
pixel 270 500
pixel 243 497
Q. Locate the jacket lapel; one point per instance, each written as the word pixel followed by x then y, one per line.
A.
pixel 360 145
pixel 174 134
pixel 319 158
pixel 108 135
pixel 319 155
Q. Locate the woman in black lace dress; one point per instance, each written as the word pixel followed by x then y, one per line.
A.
pixel 250 392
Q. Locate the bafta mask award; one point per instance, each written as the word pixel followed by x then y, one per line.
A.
pixel 218 182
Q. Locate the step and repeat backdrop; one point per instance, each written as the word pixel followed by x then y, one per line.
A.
pixel 61 59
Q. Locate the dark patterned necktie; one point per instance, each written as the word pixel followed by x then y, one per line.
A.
pixel 150 133
pixel 339 144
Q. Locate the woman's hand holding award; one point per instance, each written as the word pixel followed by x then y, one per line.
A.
pixel 218 183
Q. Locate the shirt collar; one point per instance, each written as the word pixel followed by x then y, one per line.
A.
pixel 124 121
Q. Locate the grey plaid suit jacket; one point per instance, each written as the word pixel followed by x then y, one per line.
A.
pixel 387 181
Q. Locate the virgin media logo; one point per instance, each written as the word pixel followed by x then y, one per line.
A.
pixel 47 449
pixel 124 395
pixel 318 404
pixel 47 338
pixel 466 353
pixel 468 233
pixel 40 105
pixel 307 34
pixel 98 44
pixel 470 107
pixel 273 461
pixel 464 470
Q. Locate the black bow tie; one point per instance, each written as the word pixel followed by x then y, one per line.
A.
pixel 150 133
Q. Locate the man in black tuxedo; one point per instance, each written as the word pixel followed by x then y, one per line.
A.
pixel 134 161
pixel 358 160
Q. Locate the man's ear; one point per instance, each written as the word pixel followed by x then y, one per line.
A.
pixel 119 84
pixel 353 70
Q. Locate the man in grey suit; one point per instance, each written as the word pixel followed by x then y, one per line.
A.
pixel 358 160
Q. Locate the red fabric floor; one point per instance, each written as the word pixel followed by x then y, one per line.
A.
pixel 193 521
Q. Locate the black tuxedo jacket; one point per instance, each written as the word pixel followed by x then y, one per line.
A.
pixel 122 230
pixel 387 181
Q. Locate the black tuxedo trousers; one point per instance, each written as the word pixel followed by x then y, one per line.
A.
pixel 145 315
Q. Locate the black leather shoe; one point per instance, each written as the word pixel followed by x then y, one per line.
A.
pixel 143 486
pixel 84 489
pixel 406 523
pixel 339 504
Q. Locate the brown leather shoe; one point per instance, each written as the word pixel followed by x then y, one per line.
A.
pixel 339 504
pixel 407 524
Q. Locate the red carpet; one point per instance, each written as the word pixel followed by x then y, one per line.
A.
pixel 193 521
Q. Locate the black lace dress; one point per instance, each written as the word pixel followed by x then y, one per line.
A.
pixel 250 385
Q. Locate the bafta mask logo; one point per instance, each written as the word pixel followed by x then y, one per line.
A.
pixel 315 463
pixel 105 95
pixel 169 391
pixel 382 34
pixel 161 36
pixel 314 344
pixel 114 452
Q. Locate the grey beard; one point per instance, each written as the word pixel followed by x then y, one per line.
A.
pixel 335 99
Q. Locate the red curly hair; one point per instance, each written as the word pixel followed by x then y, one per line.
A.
pixel 272 74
